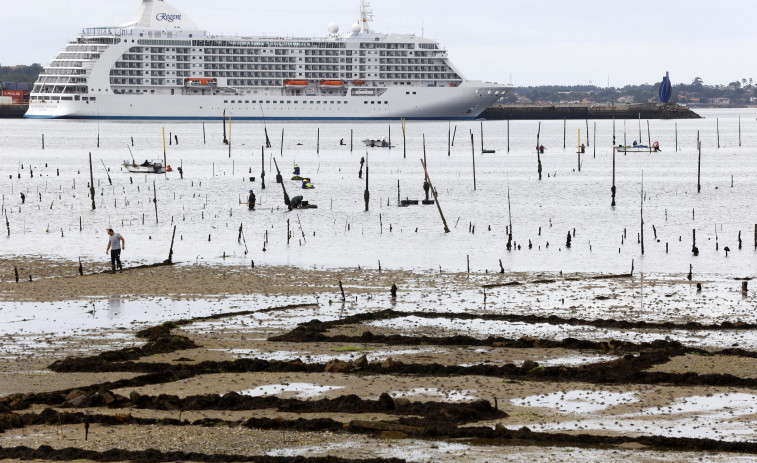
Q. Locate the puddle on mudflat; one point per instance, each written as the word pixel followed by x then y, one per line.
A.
pixel 300 390
pixel 430 392
pixel 372 356
pixel 483 328
pixel 577 401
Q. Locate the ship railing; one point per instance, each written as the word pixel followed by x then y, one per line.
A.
pixel 106 31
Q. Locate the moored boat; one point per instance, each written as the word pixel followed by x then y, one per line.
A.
pixel 147 167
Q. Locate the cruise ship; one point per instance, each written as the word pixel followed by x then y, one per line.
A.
pixel 162 65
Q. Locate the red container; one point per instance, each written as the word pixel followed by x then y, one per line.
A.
pixel 17 95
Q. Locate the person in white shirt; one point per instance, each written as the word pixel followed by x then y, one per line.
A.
pixel 116 244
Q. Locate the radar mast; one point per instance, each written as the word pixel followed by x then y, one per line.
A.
pixel 366 16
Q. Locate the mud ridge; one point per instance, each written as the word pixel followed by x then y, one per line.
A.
pixel 46 452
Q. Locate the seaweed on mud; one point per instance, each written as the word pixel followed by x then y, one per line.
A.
pixel 46 452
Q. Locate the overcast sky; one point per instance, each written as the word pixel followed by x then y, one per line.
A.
pixel 536 42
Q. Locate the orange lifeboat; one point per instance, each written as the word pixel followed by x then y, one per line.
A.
pixel 296 83
pixel 332 84
pixel 359 82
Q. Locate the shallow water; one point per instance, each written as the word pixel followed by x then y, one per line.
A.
pixel 340 234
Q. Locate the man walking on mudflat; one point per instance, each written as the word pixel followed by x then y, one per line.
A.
pixel 115 244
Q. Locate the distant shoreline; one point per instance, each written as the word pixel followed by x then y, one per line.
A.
pixel 529 111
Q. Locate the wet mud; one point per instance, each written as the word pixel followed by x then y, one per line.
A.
pixel 430 420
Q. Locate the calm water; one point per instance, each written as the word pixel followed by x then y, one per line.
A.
pixel 340 234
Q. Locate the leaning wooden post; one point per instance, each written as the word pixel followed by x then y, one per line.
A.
pixel 717 129
pixel 454 133
pixel 538 150
pixel 366 194
pixel 155 200
pixel 613 177
pixel 473 154
pixel 699 165
pixel 203 133
pixel 170 251
pixel 286 196
pixel 281 151
pixel 91 182
pixel 262 164
pixel 436 199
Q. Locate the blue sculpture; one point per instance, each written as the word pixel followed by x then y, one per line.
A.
pixel 665 88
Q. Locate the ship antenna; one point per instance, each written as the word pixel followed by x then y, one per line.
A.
pixel 366 16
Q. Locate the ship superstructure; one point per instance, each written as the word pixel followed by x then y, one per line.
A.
pixel 162 65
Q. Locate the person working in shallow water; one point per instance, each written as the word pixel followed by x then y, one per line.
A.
pixel 251 201
pixel 296 169
pixel 116 243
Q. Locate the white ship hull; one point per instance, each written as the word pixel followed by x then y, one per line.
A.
pixel 162 65
pixel 465 102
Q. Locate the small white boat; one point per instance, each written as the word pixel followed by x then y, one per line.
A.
pixel 376 143
pixel 655 148
pixel 147 167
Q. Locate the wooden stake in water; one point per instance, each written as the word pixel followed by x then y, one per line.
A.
pixel 203 133
pixel 587 132
pixel 224 126
pixel 595 139
pixel 404 140
pixel 155 200
pixel 91 182
pixel 699 165
pixel 164 148
pixel 564 132
pixel 739 130
pixel 230 138
pixel 262 168
pixel 613 177
pixel 473 154
pixel 717 129
pixel 640 139
pixel 43 141
pixel 538 151
pixel 170 251
pixel 649 137
pixel 281 151
pixel 449 138
pixel 350 140
pixel 625 139
pixel 390 135
pixel 439 207
pixel 318 142
pixel 508 135
pixel 642 212
pixel 366 194
pixel 579 150
pixel 676 137
pixel 454 133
